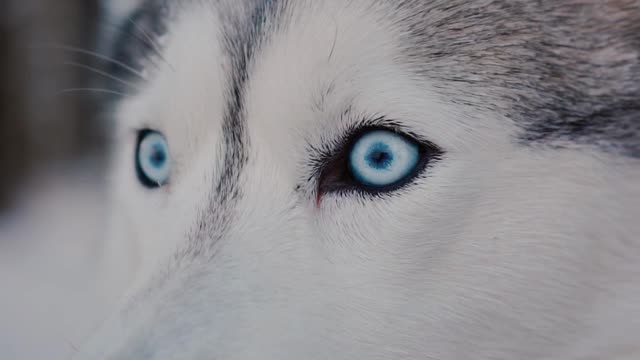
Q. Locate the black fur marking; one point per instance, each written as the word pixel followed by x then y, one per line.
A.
pixel 241 38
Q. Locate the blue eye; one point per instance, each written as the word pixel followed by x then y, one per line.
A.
pixel 382 158
pixel 153 164
pixel 375 159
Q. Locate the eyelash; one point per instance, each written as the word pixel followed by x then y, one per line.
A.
pixel 330 168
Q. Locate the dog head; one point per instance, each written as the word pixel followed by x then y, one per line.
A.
pixel 375 179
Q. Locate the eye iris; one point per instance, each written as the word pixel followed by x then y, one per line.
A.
pixel 380 156
pixel 383 158
pixel 152 159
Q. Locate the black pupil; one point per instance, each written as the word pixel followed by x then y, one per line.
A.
pixel 158 156
pixel 380 157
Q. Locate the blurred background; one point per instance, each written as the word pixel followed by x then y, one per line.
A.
pixel 52 197
pixel 43 124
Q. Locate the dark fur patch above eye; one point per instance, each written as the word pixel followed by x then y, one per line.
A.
pixel 615 128
pixel 137 40
pixel 563 71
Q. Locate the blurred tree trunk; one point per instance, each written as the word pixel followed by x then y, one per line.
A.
pixel 40 126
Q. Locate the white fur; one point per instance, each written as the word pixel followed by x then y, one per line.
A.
pixel 503 252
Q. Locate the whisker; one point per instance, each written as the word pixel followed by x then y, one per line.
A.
pixel 103 73
pixel 94 90
pixel 143 36
pixel 98 56
pixel 149 39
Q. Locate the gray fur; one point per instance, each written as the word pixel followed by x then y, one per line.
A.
pixel 242 34
pixel 566 70
pixel 136 40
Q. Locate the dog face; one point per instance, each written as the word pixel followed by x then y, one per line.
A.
pixel 375 180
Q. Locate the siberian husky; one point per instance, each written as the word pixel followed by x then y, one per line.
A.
pixel 374 179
